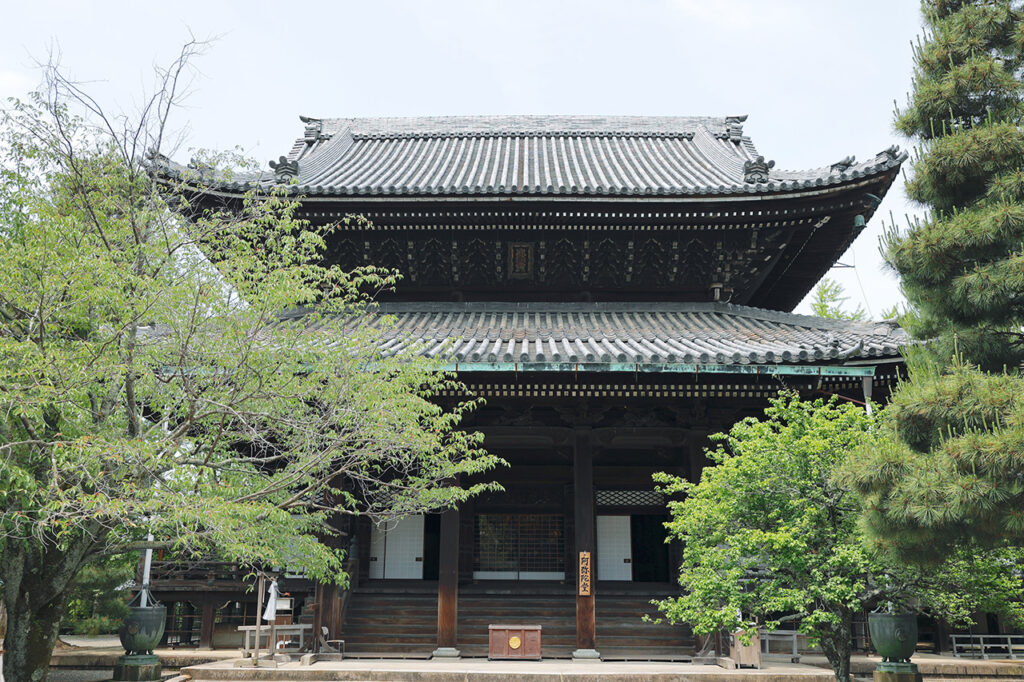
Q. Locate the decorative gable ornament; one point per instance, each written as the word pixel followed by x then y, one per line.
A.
pixel 285 170
pixel 734 125
pixel 313 130
pixel 889 153
pixel 843 165
pixel 757 170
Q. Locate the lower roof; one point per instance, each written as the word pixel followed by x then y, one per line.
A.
pixel 676 337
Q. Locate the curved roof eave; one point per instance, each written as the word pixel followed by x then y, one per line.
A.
pixel 229 190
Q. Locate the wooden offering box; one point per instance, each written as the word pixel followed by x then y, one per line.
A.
pixel 520 642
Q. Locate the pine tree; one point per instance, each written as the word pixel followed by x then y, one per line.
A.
pixel 830 299
pixel 949 469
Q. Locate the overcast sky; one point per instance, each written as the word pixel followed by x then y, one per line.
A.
pixel 817 77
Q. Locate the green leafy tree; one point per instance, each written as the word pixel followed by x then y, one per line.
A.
pixel 771 534
pixel 145 390
pixel 830 302
pixel 98 596
pixel 954 469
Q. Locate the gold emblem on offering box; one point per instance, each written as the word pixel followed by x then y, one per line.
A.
pixel 584 574
pixel 514 643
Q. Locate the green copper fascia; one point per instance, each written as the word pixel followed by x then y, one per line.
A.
pixel 659 368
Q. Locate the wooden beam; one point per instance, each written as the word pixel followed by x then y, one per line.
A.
pixel 583 512
pixel 448 586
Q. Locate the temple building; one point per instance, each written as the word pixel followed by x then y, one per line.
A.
pixel 617 289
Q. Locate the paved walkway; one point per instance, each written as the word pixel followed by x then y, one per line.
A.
pixel 481 670
pixel 96 655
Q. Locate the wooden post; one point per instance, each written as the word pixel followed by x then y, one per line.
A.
pixel 583 512
pixel 206 626
pixel 259 621
pixel 319 597
pixel 448 586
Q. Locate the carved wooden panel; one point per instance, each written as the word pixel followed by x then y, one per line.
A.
pixel 652 261
pixel 476 264
pixel 606 262
pixel 674 263
pixel 564 262
pixel 388 253
pixel 434 255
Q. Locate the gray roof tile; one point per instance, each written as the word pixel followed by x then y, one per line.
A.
pixel 539 155
pixel 609 333
pixel 546 155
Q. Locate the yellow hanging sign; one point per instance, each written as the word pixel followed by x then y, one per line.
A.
pixel 584 574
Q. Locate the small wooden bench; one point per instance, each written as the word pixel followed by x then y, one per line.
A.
pixel 791 638
pixel 254 634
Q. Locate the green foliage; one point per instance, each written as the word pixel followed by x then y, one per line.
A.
pixel 962 267
pixel 947 465
pixel 145 388
pixel 97 598
pixel 771 533
pixel 830 302
pixel 952 471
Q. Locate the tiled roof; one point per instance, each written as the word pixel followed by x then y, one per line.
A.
pixel 541 155
pixel 615 333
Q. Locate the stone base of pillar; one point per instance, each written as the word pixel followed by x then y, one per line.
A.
pixel 137 667
pixel 888 671
pixel 248 663
pixel 590 655
pixel 446 652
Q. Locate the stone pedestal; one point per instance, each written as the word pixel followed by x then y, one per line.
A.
pixel 896 672
pixel 137 668
pixel 588 655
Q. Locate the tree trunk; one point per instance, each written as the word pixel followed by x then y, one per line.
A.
pixel 36 578
pixel 30 640
pixel 837 645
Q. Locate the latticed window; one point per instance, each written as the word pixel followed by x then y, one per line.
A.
pixel 515 546
pixel 629 498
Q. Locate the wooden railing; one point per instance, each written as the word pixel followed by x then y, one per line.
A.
pixel 988 646
pixel 207 571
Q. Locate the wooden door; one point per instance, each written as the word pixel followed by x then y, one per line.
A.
pixel 614 548
pixel 396 550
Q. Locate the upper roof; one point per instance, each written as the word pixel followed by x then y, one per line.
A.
pixel 606 334
pixel 541 155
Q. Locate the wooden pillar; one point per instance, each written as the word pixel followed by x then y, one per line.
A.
pixel 188 623
pixel 206 626
pixel 448 586
pixel 168 622
pixel 941 635
pixel 583 513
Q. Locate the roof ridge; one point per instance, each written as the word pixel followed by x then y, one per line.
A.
pixel 667 134
pixel 522 123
